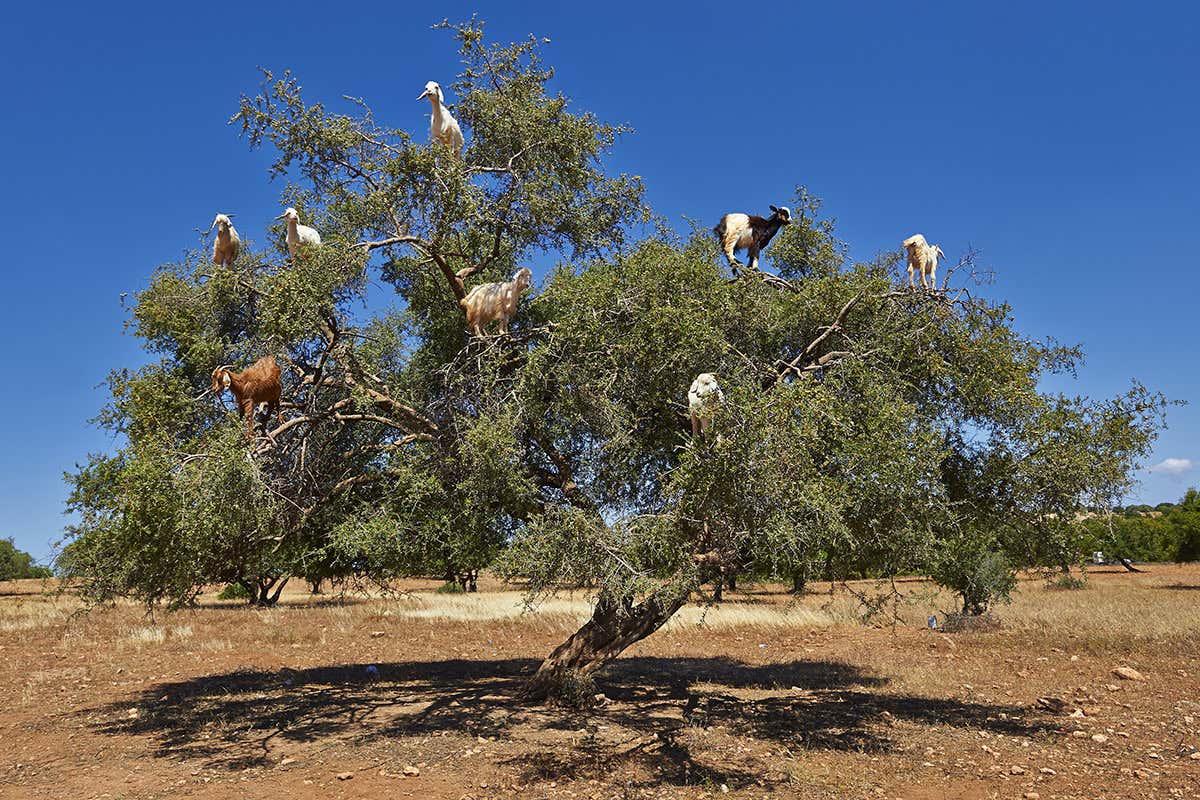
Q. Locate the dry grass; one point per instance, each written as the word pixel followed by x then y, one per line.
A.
pixel 33 612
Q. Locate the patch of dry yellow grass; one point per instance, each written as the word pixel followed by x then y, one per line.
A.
pixel 32 612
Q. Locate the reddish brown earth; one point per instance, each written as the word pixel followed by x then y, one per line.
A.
pixel 772 699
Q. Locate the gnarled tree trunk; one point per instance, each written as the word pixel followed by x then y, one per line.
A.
pixel 616 623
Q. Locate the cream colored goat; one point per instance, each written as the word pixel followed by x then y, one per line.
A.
pixel 495 301
pixel 227 243
pixel 298 234
pixel 922 256
pixel 704 397
pixel 443 127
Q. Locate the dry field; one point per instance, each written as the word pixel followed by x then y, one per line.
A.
pixel 762 697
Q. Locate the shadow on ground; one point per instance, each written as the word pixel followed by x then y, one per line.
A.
pixel 654 708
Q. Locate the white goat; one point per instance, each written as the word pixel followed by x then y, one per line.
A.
pixel 704 397
pixel 442 127
pixel 227 244
pixel 922 256
pixel 749 232
pixel 298 234
pixel 490 301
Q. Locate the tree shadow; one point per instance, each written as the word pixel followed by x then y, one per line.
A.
pixel 1180 586
pixel 652 712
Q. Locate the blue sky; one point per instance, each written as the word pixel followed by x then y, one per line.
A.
pixel 1060 139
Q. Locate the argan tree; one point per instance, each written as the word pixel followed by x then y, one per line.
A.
pixel 866 427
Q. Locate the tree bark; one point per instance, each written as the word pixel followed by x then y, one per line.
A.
pixel 799 580
pixel 616 623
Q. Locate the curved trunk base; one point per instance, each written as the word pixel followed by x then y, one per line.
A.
pixel 616 623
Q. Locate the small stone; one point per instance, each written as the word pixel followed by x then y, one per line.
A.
pixel 1016 770
pixel 1128 674
pixel 377 634
pixel 1031 796
pixel 1055 704
pixel 286 761
pixel 411 771
pixel 344 776
pixel 1099 738
pixel 1078 713
pixel 1047 771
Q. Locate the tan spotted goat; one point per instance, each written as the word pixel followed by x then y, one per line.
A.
pixel 922 257
pixel 495 301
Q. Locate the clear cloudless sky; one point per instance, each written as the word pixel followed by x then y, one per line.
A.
pixel 1060 139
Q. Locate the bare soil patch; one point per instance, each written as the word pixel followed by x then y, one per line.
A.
pixel 764 696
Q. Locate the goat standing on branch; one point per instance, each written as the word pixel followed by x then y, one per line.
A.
pixel 443 127
pixel 227 244
pixel 924 257
pixel 258 383
pixel 298 234
pixel 749 232
pixel 704 397
pixel 498 301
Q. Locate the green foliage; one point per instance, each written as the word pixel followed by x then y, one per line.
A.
pixel 976 571
pixel 234 591
pixel 1166 532
pixel 1067 582
pixel 17 564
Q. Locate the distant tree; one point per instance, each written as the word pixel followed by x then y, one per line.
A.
pixel 872 429
pixel 1186 521
pixel 17 564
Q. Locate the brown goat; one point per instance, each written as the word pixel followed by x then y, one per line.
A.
pixel 490 301
pixel 258 383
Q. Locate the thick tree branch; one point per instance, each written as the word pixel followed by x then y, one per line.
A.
pixel 797 365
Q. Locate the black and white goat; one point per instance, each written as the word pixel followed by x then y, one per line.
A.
pixel 749 232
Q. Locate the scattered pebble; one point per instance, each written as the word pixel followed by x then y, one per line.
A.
pixel 1128 674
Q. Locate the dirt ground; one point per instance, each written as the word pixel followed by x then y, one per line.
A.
pixel 762 697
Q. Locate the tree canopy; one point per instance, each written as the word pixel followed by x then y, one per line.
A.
pixel 866 428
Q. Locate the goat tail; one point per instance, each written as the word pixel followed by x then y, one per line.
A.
pixel 719 229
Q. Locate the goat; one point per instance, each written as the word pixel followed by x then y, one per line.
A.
pixel 298 234
pixel 227 244
pixel 704 397
pixel 750 233
pixel 443 127
pixel 490 301
pixel 258 383
pixel 924 257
